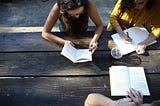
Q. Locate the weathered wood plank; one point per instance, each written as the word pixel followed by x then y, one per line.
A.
pixel 51 79
pixel 32 41
pixel 61 91
pixel 150 60
pixel 53 63
pixel 43 64
pixel 57 91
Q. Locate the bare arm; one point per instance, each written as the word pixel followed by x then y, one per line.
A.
pixel 150 38
pixel 140 49
pixel 125 38
pixel 96 99
pixel 50 22
pixel 93 14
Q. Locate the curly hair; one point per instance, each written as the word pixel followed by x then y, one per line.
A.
pixel 73 25
pixel 129 4
pixel 70 4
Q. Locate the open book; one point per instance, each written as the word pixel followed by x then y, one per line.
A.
pixel 122 78
pixel 137 34
pixel 76 55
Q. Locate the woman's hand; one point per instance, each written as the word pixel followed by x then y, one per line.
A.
pixel 70 42
pixel 136 97
pixel 124 102
pixel 126 38
pixel 140 49
pixel 93 46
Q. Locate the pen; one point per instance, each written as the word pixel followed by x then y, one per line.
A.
pixel 128 35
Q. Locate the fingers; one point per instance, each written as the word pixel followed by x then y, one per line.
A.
pixel 140 95
pixel 70 42
pixel 130 95
pixel 136 96
pixel 92 47
pixel 140 51
pixel 127 41
pixel 125 102
pixel 134 92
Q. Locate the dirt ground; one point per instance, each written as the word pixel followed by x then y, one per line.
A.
pixel 33 13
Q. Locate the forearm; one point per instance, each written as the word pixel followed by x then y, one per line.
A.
pixel 120 31
pixel 98 33
pixel 52 38
pixel 96 99
pixel 150 38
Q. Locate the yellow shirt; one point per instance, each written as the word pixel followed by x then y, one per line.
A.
pixel 133 17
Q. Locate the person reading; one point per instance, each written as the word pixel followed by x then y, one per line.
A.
pixel 136 13
pixel 74 16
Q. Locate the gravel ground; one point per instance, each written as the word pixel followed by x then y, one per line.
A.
pixel 33 13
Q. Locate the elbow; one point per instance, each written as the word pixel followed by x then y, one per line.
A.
pixel 99 26
pixel 44 34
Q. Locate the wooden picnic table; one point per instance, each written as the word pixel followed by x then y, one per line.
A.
pixel 6 1
pixel 34 73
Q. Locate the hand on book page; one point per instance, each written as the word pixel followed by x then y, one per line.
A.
pixel 137 34
pixel 122 78
pixel 135 96
pixel 74 54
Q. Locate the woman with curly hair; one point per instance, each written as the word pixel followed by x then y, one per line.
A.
pixel 130 13
pixel 74 16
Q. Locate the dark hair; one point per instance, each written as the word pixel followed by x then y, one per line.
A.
pixel 70 4
pixel 129 4
pixel 71 25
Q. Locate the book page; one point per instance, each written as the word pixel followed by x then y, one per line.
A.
pixel 123 47
pixel 119 80
pixel 69 51
pixel 83 55
pixel 138 80
pixel 76 55
pixel 137 34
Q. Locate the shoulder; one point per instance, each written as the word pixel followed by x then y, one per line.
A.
pixel 90 3
pixel 91 6
pixel 55 6
pixel 55 9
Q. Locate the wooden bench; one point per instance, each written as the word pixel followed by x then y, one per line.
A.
pixel 33 73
